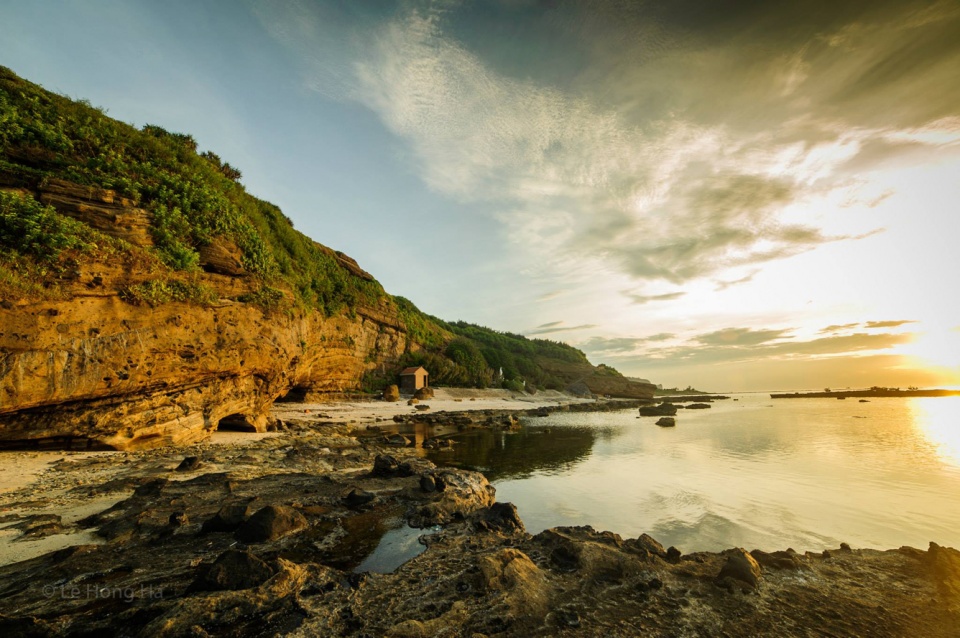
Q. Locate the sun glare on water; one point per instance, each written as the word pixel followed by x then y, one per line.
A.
pixel 938 420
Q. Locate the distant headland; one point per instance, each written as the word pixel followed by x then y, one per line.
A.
pixel 875 391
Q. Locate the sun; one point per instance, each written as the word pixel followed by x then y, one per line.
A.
pixel 936 348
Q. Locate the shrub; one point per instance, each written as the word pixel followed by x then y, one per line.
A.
pixel 29 227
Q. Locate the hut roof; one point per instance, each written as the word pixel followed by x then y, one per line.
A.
pixel 413 370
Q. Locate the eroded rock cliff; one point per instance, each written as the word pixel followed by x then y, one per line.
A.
pixel 94 367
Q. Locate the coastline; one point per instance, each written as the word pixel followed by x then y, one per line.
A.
pixel 480 574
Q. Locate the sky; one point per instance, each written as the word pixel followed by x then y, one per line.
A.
pixel 734 195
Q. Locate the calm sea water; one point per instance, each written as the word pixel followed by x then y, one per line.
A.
pixel 756 472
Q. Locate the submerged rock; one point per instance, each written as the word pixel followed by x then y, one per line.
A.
pixel 666 421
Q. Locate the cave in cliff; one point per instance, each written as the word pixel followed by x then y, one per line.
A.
pixel 236 423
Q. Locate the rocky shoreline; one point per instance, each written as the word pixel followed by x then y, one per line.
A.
pixel 265 539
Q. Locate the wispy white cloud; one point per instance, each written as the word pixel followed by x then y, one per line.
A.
pixel 643 299
pixel 554 327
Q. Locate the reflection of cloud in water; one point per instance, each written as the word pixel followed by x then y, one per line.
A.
pixel 508 455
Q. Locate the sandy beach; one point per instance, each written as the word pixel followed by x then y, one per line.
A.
pixel 445 399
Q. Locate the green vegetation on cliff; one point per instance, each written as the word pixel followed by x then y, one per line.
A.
pixel 194 200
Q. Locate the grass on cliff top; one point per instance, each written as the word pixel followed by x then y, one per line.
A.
pixel 195 198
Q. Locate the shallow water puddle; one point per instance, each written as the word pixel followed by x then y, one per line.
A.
pixel 395 548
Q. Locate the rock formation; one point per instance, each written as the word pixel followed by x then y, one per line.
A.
pixel 93 370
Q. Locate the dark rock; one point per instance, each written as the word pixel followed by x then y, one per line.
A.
pixel 414 467
pixel 666 422
pixel 648 544
pixel 233 570
pixel 567 618
pixel 151 488
pixel 427 483
pixel 189 464
pixel 776 560
pixel 227 519
pixel 673 554
pixel 391 393
pixel 740 567
pixel 270 523
pixel 501 517
pixel 178 519
pixel 397 440
pixel 357 497
pixel 25 627
pixel 944 562
pixel 699 406
pixel 385 465
pixel 423 407
pixel 664 409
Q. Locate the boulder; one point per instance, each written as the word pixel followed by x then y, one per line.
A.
pixel 459 493
pixel 270 523
pixel 699 406
pixel 227 519
pixel 777 560
pixel 740 570
pixel 391 393
pixel 423 393
pixel 666 421
pixel 664 409
pixel 424 407
pixel 501 517
pixel 413 401
pixel 385 465
pixel 650 546
pixel 357 497
pixel 234 569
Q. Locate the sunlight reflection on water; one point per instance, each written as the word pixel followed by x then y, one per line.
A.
pixel 938 420
pixel 806 473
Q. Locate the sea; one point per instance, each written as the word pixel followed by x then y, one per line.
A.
pixel 750 472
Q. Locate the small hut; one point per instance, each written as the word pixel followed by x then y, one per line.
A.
pixel 412 379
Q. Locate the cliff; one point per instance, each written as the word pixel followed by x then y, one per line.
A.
pixel 147 299
pixel 98 366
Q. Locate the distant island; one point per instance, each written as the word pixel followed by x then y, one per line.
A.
pixel 875 391
pixel 688 391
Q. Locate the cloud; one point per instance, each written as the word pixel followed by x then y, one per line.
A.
pixel 602 345
pixel 556 326
pixel 550 324
pixel 547 296
pixel 740 336
pixel 886 324
pixel 642 299
pixel 723 285
pixel 840 327
pixel 661 336
pixel 707 134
